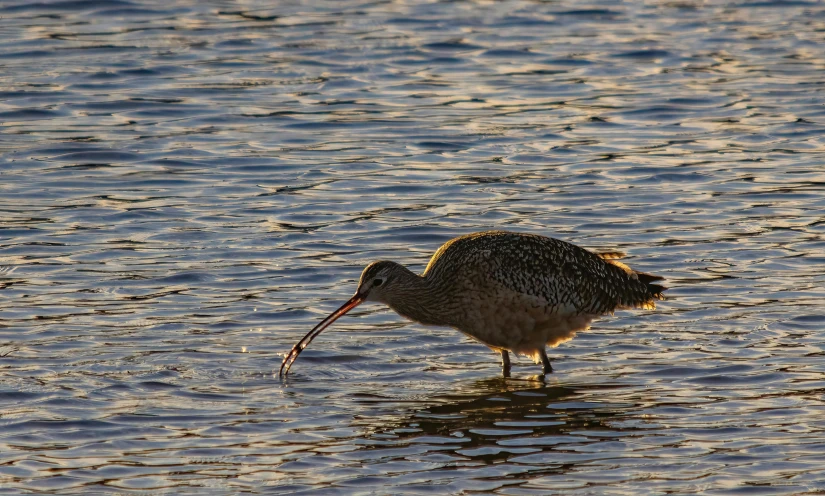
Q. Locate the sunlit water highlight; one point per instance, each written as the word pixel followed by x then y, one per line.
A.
pixel 188 187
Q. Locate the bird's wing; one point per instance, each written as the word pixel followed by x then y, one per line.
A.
pixel 567 276
pixel 561 274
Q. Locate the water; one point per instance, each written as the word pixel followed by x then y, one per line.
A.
pixel 188 187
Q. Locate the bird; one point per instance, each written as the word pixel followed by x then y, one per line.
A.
pixel 514 292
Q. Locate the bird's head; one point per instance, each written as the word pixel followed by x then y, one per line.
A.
pixel 379 280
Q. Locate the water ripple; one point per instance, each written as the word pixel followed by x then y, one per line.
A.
pixel 189 187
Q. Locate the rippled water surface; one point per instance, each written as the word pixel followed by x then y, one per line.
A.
pixel 187 187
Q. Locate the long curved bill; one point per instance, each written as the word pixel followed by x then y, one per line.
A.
pixel 304 342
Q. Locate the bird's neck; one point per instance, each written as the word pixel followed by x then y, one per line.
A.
pixel 422 300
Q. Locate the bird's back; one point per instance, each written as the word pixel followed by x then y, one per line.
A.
pixel 564 276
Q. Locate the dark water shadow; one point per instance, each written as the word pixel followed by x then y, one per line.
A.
pixel 503 418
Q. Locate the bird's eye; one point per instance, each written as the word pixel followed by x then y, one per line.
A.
pixel 377 282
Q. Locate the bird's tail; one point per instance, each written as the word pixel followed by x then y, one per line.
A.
pixel 656 290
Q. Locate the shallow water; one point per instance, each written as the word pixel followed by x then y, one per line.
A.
pixel 188 187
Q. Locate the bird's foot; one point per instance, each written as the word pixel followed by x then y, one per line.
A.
pixel 545 363
pixel 505 363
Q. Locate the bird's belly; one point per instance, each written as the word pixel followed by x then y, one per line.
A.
pixel 523 324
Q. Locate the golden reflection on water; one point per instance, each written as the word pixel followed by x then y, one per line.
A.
pixel 186 187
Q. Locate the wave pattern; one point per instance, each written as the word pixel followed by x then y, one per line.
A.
pixel 188 187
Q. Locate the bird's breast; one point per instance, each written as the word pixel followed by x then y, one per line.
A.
pixel 504 318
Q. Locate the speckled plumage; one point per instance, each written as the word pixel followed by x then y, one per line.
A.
pixel 561 273
pixel 520 292
pixel 511 291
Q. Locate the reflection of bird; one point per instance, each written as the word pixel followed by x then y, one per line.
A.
pixel 513 292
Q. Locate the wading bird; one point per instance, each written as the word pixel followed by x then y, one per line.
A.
pixel 511 291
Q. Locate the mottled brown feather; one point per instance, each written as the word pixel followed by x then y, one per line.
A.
pixel 561 273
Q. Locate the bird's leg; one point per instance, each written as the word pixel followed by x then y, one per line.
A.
pixel 505 363
pixel 545 362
